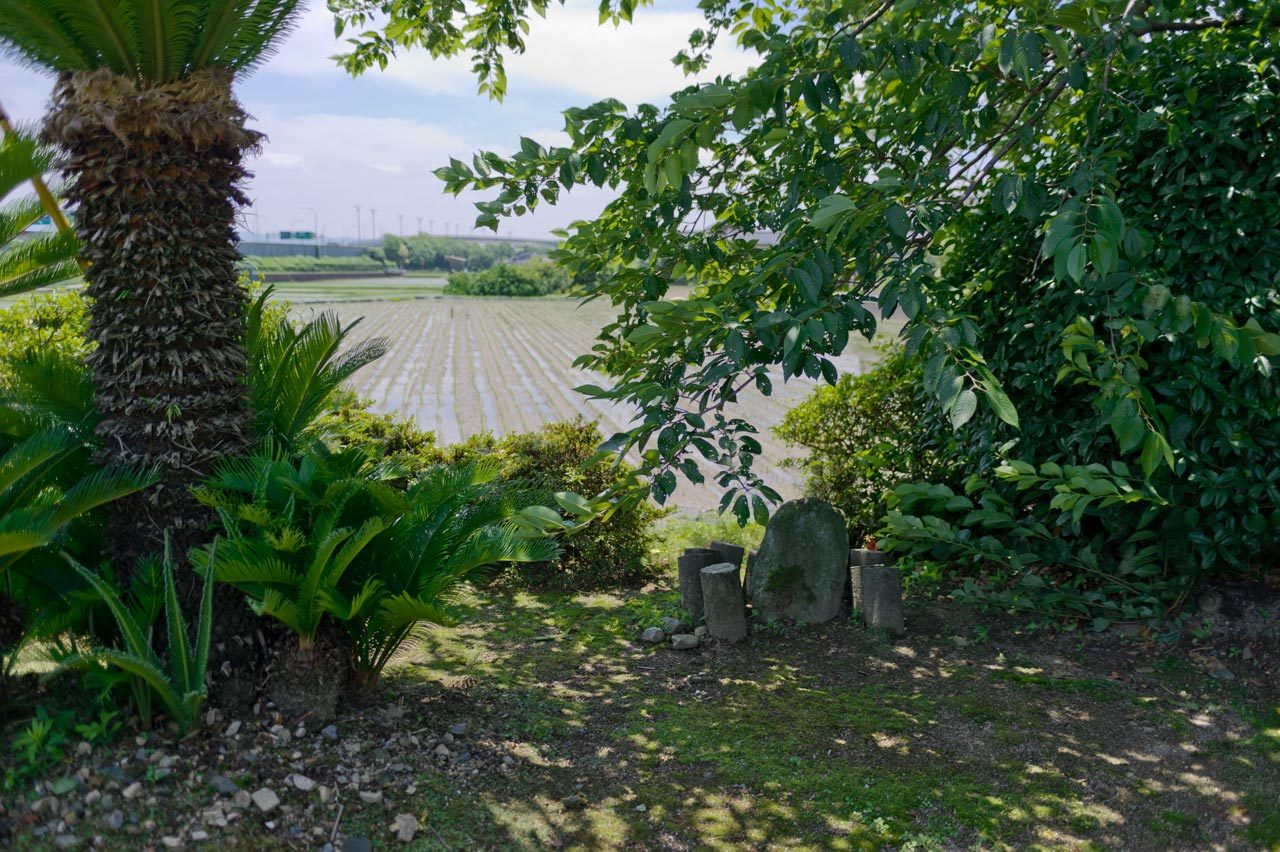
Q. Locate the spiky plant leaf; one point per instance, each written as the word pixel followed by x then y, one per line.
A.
pixel 157 40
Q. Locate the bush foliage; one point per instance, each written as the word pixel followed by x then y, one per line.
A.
pixel 864 435
pixel 535 278
pixel 266 264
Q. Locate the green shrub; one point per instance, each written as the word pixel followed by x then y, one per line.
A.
pixel 45 323
pixel 441 253
pixel 1138 369
pixel 178 680
pixel 322 535
pixel 535 278
pixel 613 551
pixel 864 435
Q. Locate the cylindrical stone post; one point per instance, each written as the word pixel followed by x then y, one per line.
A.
pixel 882 598
pixel 722 597
pixel 726 552
pixel 690 565
pixel 859 557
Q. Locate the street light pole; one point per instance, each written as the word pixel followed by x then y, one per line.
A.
pixel 419 226
pixel 357 223
pixel 373 224
pixel 401 217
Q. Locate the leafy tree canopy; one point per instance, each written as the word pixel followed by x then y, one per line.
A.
pixel 862 134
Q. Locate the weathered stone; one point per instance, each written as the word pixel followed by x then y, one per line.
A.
pixel 266 799
pixel 691 564
pixel 133 791
pixel 882 598
pixel 405 827
pixel 302 782
pixel 357 844
pixel 672 626
pixel 370 797
pixel 653 635
pixel 722 598
pixel 222 784
pixel 460 729
pixel 859 557
pixel 731 553
pixel 700 631
pixel 801 569
pixel 684 642
pixel 746 574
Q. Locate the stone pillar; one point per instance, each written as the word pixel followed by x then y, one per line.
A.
pixel 881 590
pixel 690 565
pixel 726 552
pixel 725 608
pixel 746 574
pixel 859 557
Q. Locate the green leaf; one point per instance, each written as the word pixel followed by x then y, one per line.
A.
pixel 831 211
pixel 1127 424
pixel 962 410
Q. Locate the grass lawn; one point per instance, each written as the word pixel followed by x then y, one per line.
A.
pixel 964 734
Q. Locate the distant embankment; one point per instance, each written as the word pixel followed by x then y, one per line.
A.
pixel 272 276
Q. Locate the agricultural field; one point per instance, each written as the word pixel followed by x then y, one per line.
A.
pixel 359 289
pixel 462 365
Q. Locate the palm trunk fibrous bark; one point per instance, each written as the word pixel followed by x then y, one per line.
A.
pixel 153 173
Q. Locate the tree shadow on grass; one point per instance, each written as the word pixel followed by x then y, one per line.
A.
pixel 832 737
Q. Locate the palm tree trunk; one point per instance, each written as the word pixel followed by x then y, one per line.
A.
pixel 153 173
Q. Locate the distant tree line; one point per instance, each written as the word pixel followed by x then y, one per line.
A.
pixel 446 253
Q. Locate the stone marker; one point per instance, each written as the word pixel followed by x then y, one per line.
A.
pixel 726 552
pixel 802 565
pixel 859 557
pixel 722 598
pixel 691 564
pixel 746 574
pixel 882 598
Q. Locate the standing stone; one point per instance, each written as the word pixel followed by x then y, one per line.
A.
pixel 726 552
pixel 882 598
pixel 691 564
pixel 858 557
pixel 746 574
pixel 802 567
pixel 722 597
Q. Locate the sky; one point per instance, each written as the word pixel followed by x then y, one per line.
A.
pixel 334 142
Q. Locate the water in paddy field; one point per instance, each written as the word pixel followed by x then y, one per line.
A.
pixel 461 365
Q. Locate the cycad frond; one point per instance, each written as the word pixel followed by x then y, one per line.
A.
pixel 34 261
pixel 157 40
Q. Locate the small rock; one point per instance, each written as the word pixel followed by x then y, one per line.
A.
pixel 465 757
pixel 700 631
pixel 66 841
pixel 325 794
pixel 574 801
pixel 1247 653
pixel 266 799
pixel 329 732
pixel 93 797
pixel 653 635
pixel 1223 673
pixel 232 729
pixel 48 806
pixel 405 827
pixel 459 730
pixel 302 782
pixel 133 790
pixel 84 749
pixel 508 760
pixel 357 844
pixel 281 733
pixel 370 797
pixel 448 738
pixel 642 808
pixel 171 842
pixel 114 820
pixel 222 784
pixel 684 641
pixel 199 835
pixel 1209 602
pixel 442 750
pixel 672 626
pixel 242 799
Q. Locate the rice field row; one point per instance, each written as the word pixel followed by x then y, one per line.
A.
pixel 461 365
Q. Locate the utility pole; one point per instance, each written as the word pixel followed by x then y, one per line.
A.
pixel 357 223
pixel 400 216
pixel 373 224
pixel 431 226
pixel 419 226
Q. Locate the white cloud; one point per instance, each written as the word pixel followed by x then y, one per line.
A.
pixel 568 51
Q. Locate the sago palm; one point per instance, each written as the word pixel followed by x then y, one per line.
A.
pixel 36 261
pixel 152 142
